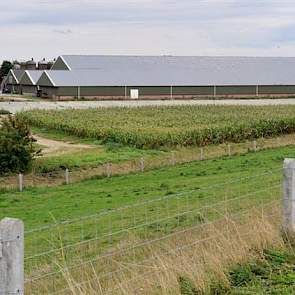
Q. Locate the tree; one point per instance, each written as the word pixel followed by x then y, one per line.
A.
pixel 17 149
pixel 5 68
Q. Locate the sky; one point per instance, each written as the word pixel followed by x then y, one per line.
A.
pixel 49 28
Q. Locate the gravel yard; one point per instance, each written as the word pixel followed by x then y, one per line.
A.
pixel 14 107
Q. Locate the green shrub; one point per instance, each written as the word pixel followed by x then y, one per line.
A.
pixel 17 149
pixel 187 287
pixel 4 112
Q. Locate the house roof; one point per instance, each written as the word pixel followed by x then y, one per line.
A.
pixel 174 71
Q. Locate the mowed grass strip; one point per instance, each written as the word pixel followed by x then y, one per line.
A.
pixel 180 196
pixel 169 126
pixel 38 206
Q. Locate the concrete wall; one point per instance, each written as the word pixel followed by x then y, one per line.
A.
pixel 146 91
pixel 276 89
pixel 67 91
pixel 29 90
pixel 14 89
pixel 165 91
pixel 49 91
pixel 193 90
pixel 233 90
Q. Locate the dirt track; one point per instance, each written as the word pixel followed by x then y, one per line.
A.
pixel 50 146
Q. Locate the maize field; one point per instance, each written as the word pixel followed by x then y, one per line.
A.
pixel 155 127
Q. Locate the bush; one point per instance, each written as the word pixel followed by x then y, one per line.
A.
pixel 4 112
pixel 17 149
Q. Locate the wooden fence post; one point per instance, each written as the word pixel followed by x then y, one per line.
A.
pixel 255 146
pixel 202 154
pixel 172 158
pixel 229 150
pixel 109 170
pixel 21 182
pixel 289 196
pixel 67 176
pixel 142 164
pixel 11 256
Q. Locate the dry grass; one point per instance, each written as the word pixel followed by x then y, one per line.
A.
pixel 181 155
pixel 201 255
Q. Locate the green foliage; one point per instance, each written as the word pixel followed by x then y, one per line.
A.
pixel 5 68
pixel 169 126
pixel 241 275
pixel 273 274
pixel 4 112
pixel 36 206
pixel 17 148
pixel 187 287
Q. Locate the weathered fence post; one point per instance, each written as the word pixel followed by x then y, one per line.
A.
pixel 255 146
pixel 202 154
pixel 229 150
pixel 67 176
pixel 11 256
pixel 173 158
pixel 289 196
pixel 142 164
pixel 21 182
pixel 109 170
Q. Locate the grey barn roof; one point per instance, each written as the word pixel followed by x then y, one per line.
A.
pixel 34 75
pixel 17 74
pixel 174 71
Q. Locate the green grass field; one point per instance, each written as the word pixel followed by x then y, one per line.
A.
pixel 37 206
pixel 159 126
pixel 97 155
pixel 273 274
pixel 104 212
pixel 180 196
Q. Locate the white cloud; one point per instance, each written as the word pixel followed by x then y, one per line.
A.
pixel 184 27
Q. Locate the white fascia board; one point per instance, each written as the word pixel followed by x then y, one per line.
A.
pixel 50 79
pixel 62 58
pixel 30 77
pixel 12 73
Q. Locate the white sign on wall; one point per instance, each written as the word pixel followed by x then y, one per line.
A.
pixel 134 93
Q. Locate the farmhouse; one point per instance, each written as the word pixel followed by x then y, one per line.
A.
pixel 125 77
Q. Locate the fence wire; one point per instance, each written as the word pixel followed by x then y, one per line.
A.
pixel 106 242
pixel 165 159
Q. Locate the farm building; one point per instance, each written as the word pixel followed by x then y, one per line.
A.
pixel 28 82
pixel 31 70
pixel 168 77
pixel 12 81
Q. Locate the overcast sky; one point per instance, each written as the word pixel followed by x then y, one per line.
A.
pixel 48 28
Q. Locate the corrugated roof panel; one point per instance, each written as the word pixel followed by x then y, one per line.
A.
pixel 35 75
pixel 18 74
pixel 174 71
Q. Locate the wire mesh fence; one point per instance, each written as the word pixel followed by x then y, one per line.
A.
pixel 164 159
pixel 110 246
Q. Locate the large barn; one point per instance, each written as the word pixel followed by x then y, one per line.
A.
pixel 125 77
pixel 28 82
pixel 157 77
pixel 12 81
